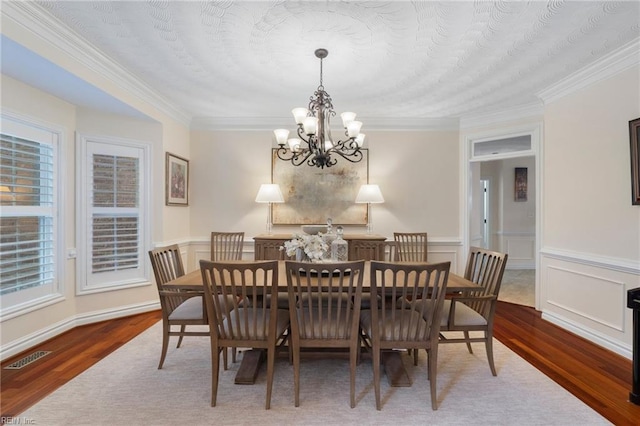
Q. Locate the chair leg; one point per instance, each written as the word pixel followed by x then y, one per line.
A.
pixel 296 375
pixel 376 376
pixel 489 345
pixel 215 370
pixel 433 364
pixel 428 364
pixel 466 337
pixel 233 355
pixel 271 357
pixel 415 356
pixel 354 356
pixel 224 358
pixel 182 328
pixel 165 344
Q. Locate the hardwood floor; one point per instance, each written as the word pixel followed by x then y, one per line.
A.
pixel 597 376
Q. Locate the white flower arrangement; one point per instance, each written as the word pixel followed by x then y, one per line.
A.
pixel 312 245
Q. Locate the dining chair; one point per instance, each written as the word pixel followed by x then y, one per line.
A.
pixel 397 323
pixel 324 301
pixel 226 246
pixel 250 322
pixel 179 308
pixel 475 311
pixel 411 246
pixel 372 250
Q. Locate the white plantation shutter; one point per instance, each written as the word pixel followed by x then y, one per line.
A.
pixel 115 218
pixel 28 215
pixel 113 209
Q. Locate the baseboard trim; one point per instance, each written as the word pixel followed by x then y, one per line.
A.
pixel 604 341
pixel 24 343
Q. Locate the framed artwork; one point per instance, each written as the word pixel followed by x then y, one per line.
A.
pixel 311 195
pixel 634 138
pixel 520 184
pixel 177 180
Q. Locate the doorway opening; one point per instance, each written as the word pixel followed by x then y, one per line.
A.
pixel 495 218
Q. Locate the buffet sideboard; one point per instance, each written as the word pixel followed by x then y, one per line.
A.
pixel 267 247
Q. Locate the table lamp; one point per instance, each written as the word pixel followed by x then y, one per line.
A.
pixel 369 194
pixel 269 193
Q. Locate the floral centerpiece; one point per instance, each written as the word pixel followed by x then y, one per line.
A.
pixel 313 247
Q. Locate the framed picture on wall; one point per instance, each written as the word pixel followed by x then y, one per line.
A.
pixel 521 184
pixel 312 194
pixel 634 137
pixel 177 180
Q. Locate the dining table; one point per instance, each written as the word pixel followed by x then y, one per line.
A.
pixel 252 359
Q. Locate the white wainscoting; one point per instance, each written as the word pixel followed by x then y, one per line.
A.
pixel 521 248
pixel 587 295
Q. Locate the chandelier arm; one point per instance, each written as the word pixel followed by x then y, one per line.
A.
pixel 349 144
pixel 296 158
pixel 353 157
pixel 304 137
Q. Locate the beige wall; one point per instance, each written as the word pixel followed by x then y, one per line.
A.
pixel 22 331
pixel 590 255
pixel 587 190
pixel 417 173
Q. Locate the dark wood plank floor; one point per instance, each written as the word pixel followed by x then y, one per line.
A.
pixel 597 376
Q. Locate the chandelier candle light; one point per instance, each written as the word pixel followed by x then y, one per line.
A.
pixel 269 193
pixel 369 194
pixel 314 144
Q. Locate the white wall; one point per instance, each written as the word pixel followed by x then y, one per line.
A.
pixel 591 235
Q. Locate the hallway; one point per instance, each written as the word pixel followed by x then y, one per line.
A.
pixel 519 286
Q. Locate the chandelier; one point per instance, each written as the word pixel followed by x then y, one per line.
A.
pixel 314 144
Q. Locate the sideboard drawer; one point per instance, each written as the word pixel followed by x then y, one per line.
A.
pixel 267 247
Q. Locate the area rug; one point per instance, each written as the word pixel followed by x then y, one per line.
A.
pixel 126 388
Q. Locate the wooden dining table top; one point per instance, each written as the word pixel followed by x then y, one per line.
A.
pixel 193 280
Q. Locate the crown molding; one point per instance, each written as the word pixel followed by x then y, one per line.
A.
pixel 38 21
pixel 619 60
pixel 531 110
pixel 262 123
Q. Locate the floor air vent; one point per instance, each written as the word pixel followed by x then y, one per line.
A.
pixel 27 360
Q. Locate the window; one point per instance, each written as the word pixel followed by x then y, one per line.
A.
pixel 113 208
pixel 29 243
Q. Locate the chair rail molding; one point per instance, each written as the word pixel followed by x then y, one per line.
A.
pixel 615 264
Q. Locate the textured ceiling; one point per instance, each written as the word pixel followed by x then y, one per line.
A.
pixel 413 59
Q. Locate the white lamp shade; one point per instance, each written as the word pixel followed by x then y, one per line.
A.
pixel 294 144
pixel 353 128
pixel 310 125
pixel 369 194
pixel 360 139
pixel 299 114
pixel 269 193
pixel 347 117
pixel 281 136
